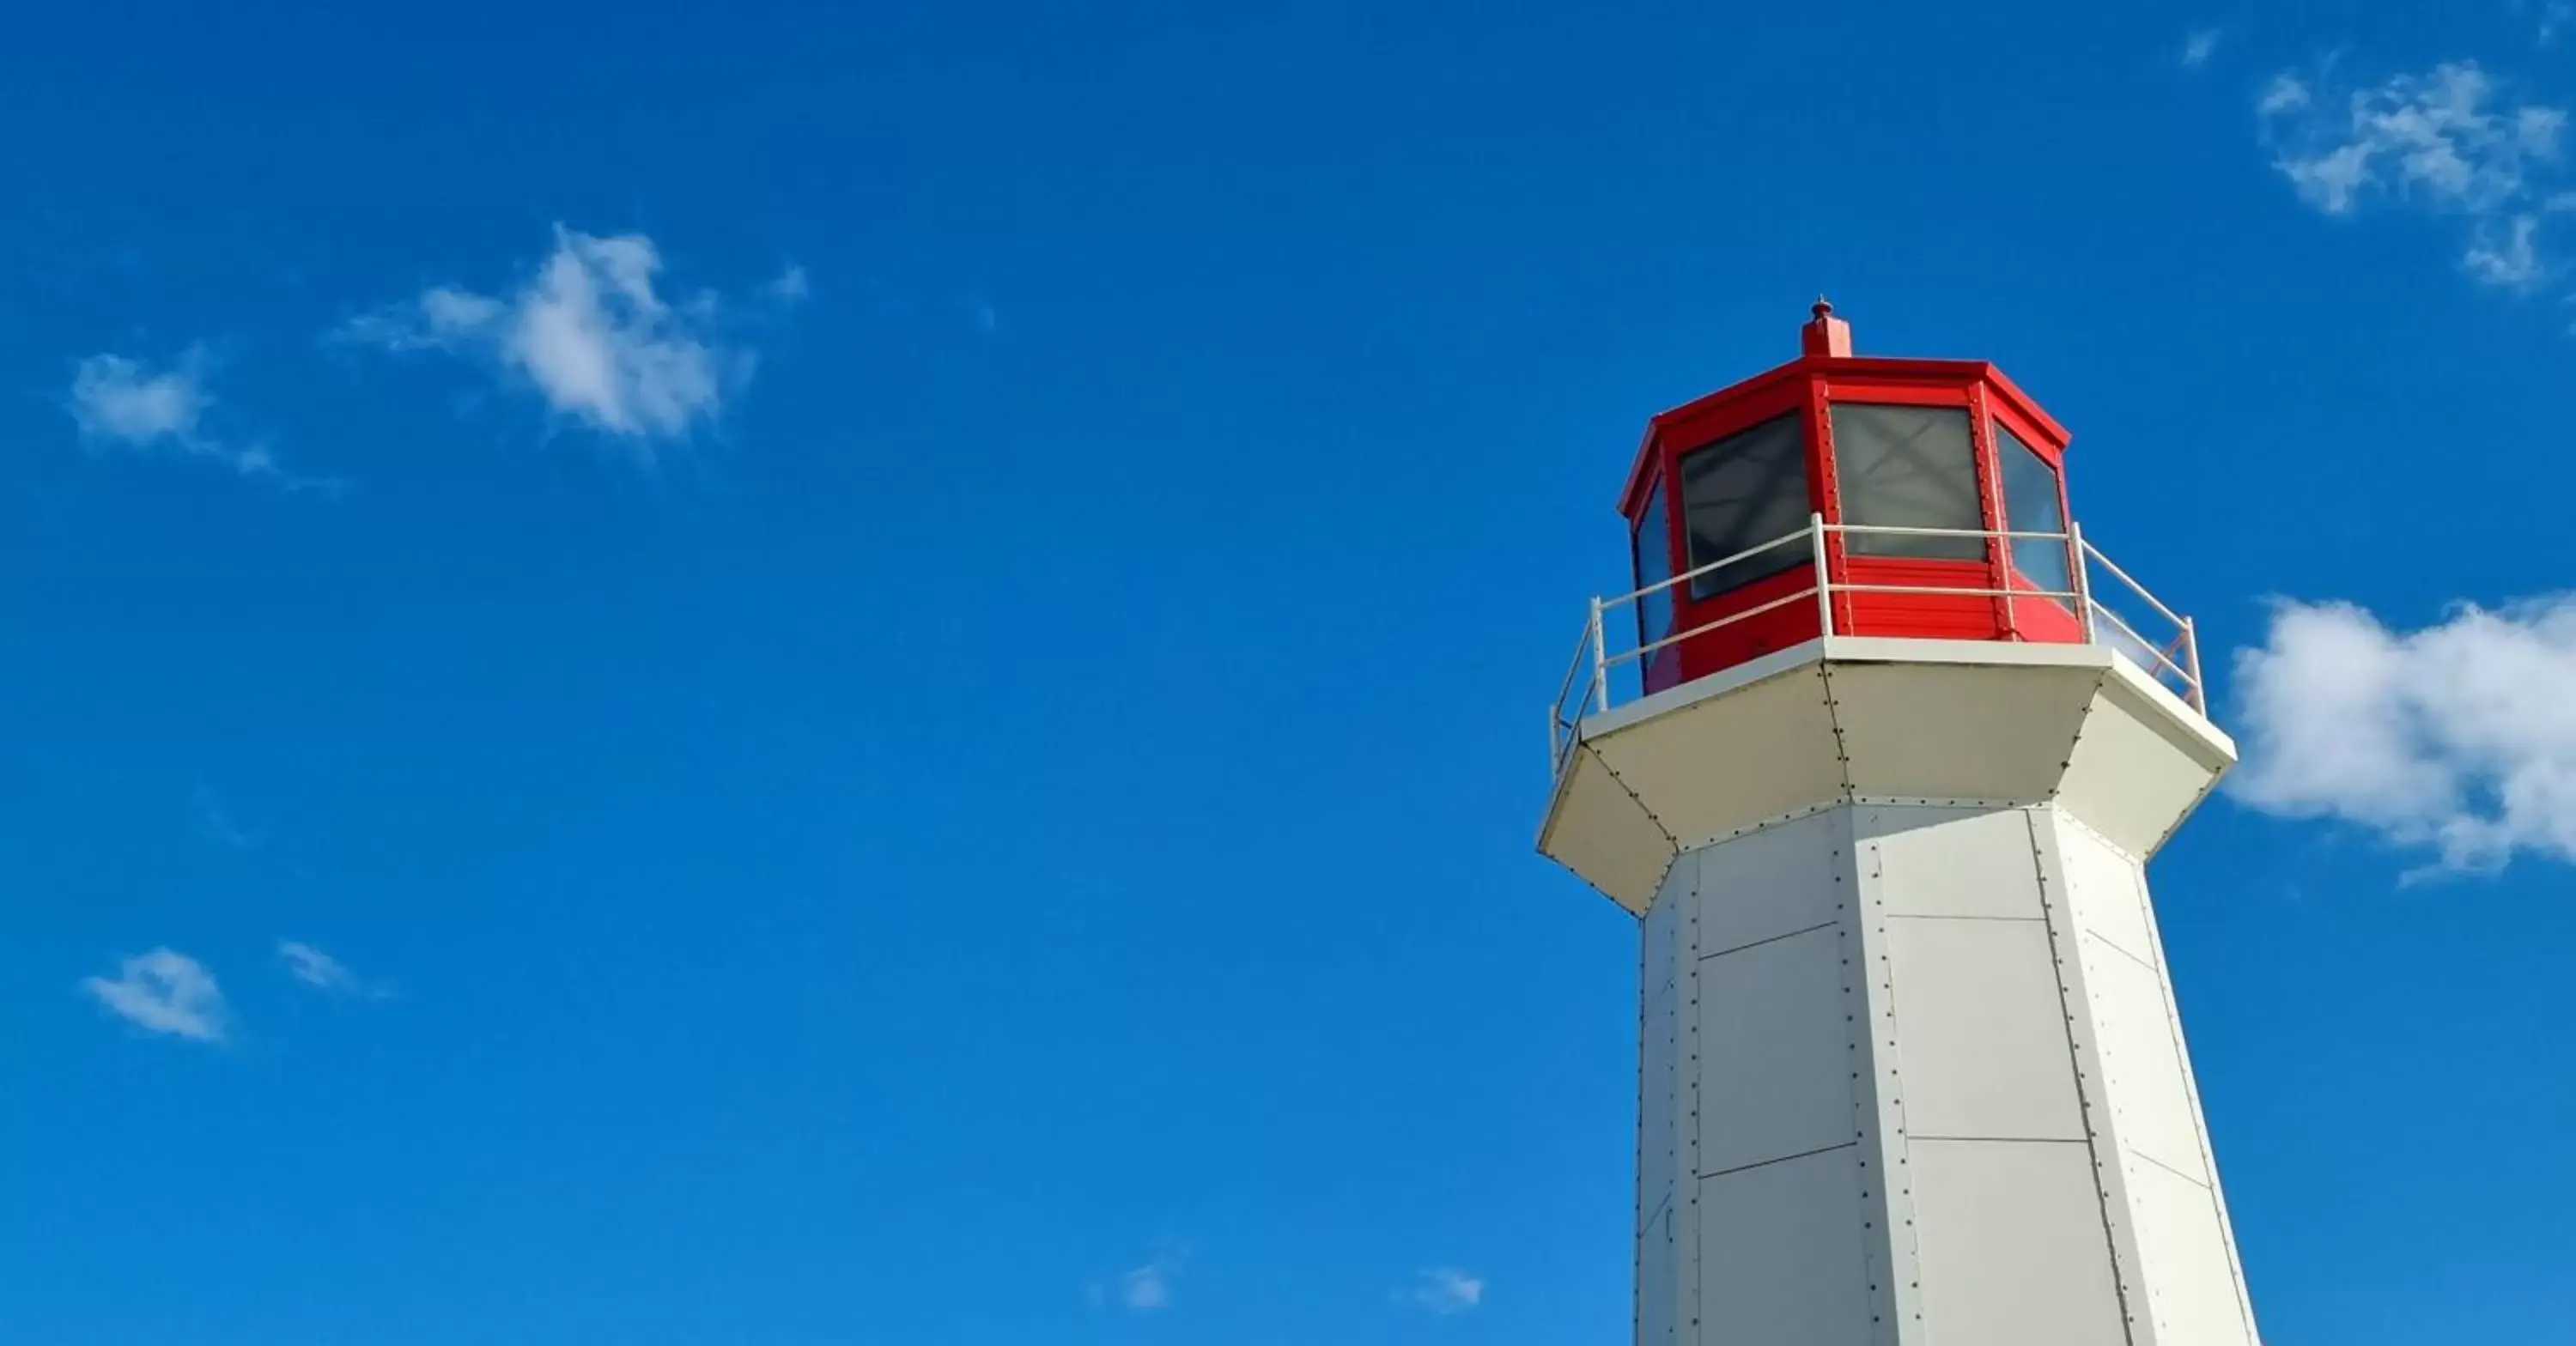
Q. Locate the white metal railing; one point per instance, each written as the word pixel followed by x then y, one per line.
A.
pixel 1602 659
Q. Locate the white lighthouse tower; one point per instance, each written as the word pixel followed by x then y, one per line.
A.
pixel 1878 752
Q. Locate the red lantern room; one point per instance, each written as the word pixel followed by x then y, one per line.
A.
pixel 1884 497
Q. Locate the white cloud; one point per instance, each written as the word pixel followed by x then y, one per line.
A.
pixel 2450 139
pixel 2459 738
pixel 2286 93
pixel 116 398
pixel 1446 1290
pixel 124 403
pixel 1147 1289
pixel 593 334
pixel 2453 141
pixel 216 824
pixel 2198 47
pixel 2506 253
pixel 791 286
pixel 164 992
pixel 321 971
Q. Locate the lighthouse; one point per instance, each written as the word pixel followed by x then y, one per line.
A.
pixel 1877 751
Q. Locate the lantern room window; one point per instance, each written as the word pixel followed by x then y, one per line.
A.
pixel 1653 544
pixel 1941 453
pixel 1907 467
pixel 1740 492
pixel 2033 504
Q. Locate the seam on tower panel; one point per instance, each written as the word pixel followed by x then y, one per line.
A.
pixel 2053 898
pixel 1772 939
pixel 1647 978
pixel 1645 1219
pixel 2199 1119
pixel 1684 1310
pixel 2145 1157
pixel 1834 718
pixel 1661 1208
pixel 1783 1159
pixel 1763 824
pixel 1879 1107
pixel 1669 838
pixel 2082 718
pixel 1939 802
pixel 2058 811
pixel 2105 942
pixel 1660 880
pixel 1934 916
pixel 2003 1140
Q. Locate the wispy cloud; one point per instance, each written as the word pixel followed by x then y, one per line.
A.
pixel 1145 1289
pixel 120 402
pixel 164 991
pixel 790 286
pixel 2458 738
pixel 1445 1290
pixel 323 972
pixel 2452 141
pixel 2506 253
pixel 216 824
pixel 593 335
pixel 118 399
pixel 2198 46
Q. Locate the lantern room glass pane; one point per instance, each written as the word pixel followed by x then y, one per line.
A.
pixel 2032 504
pixel 1907 467
pixel 1653 549
pixel 1740 492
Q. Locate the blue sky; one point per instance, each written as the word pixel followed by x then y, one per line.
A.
pixel 873 674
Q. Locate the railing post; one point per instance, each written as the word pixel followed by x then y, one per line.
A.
pixel 1824 575
pixel 1601 662
pixel 2191 656
pixel 2083 585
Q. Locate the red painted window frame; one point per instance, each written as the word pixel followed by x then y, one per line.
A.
pixel 2044 619
pixel 1659 480
pixel 1808 387
pixel 1855 613
pixel 1676 436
